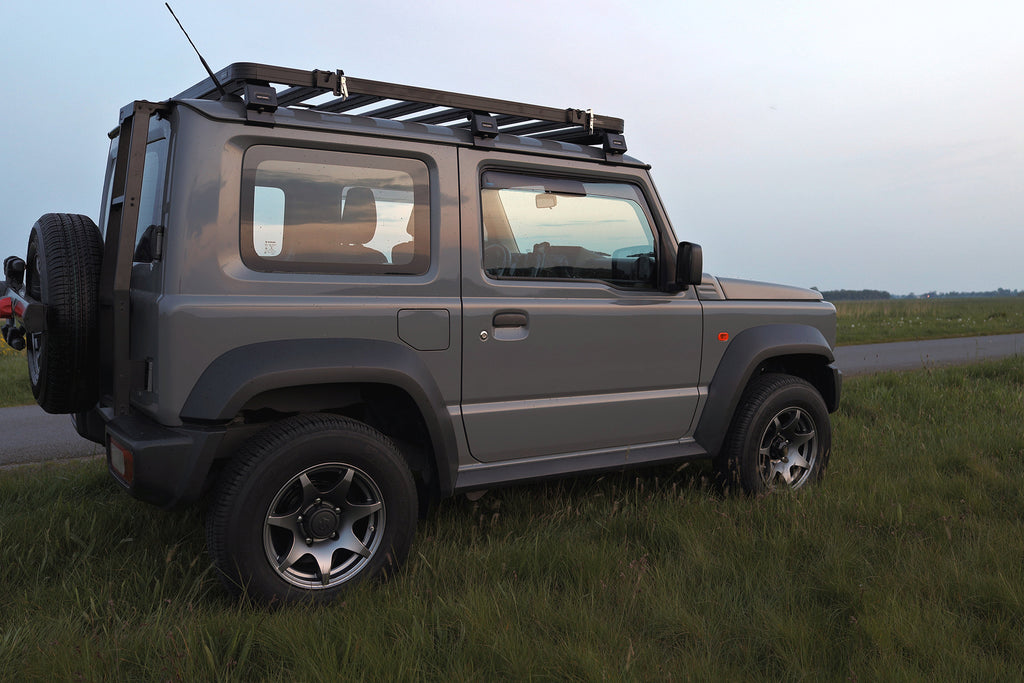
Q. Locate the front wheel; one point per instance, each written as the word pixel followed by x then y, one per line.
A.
pixel 780 437
pixel 309 506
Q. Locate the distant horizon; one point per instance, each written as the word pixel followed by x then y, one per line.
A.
pixel 998 293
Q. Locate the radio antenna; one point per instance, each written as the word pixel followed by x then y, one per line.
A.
pixel 220 88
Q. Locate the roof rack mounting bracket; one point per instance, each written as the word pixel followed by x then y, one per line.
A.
pixel 614 146
pixel 260 104
pixel 484 127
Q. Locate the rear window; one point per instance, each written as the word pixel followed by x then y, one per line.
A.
pixel 334 212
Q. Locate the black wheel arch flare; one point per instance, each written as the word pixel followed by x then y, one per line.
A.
pixel 801 350
pixel 238 375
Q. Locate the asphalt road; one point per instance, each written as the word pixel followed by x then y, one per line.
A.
pixel 27 434
pixel 859 360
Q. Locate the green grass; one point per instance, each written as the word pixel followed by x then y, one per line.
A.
pixel 906 563
pixel 14 386
pixel 869 322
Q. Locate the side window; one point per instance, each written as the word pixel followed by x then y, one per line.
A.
pixel 553 228
pixel 151 203
pixel 151 206
pixel 319 211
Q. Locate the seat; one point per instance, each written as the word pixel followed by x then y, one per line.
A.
pixel 358 226
pixel 403 252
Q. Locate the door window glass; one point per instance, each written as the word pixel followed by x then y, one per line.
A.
pixel 561 229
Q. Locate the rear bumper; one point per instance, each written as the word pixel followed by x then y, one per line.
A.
pixel 160 465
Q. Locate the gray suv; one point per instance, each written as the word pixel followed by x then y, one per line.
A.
pixel 330 301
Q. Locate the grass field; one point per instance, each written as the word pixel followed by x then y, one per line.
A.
pixel 869 322
pixel 906 563
pixel 14 386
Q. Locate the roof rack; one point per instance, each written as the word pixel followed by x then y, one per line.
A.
pixel 484 116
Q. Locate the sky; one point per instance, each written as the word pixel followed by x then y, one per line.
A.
pixel 839 145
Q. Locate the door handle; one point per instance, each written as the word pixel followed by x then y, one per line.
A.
pixel 509 320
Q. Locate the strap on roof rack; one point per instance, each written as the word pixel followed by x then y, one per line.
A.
pixel 341 89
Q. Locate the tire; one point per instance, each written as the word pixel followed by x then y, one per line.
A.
pixel 780 437
pixel 310 506
pixel 65 254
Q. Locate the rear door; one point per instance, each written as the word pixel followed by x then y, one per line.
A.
pixel 568 344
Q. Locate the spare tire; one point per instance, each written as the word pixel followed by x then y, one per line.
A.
pixel 65 253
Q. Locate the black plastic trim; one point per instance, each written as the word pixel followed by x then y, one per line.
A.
pixel 482 476
pixel 240 374
pixel 170 464
pixel 746 352
pixel 90 425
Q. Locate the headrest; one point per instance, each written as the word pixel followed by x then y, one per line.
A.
pixel 359 216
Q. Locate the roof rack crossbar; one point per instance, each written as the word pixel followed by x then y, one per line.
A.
pixel 507 120
pixel 443 116
pixel 400 109
pixel 296 95
pixel 537 127
pixel 347 103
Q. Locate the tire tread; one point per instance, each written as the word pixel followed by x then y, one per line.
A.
pixel 727 466
pixel 241 469
pixel 70 248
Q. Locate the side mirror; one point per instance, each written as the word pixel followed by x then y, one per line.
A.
pixel 689 265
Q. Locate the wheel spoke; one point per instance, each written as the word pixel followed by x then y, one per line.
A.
pixel 289 522
pixel 788 429
pixel 295 553
pixel 799 439
pixel 338 493
pixel 309 490
pixel 354 513
pixel 795 461
pixel 351 543
pixel 324 554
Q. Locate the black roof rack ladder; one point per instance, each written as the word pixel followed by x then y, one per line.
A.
pixel 118 254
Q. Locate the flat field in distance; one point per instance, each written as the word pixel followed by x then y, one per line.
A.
pixel 904 564
pixel 891 320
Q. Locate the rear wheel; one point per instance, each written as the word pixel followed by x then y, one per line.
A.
pixel 65 254
pixel 780 436
pixel 309 506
